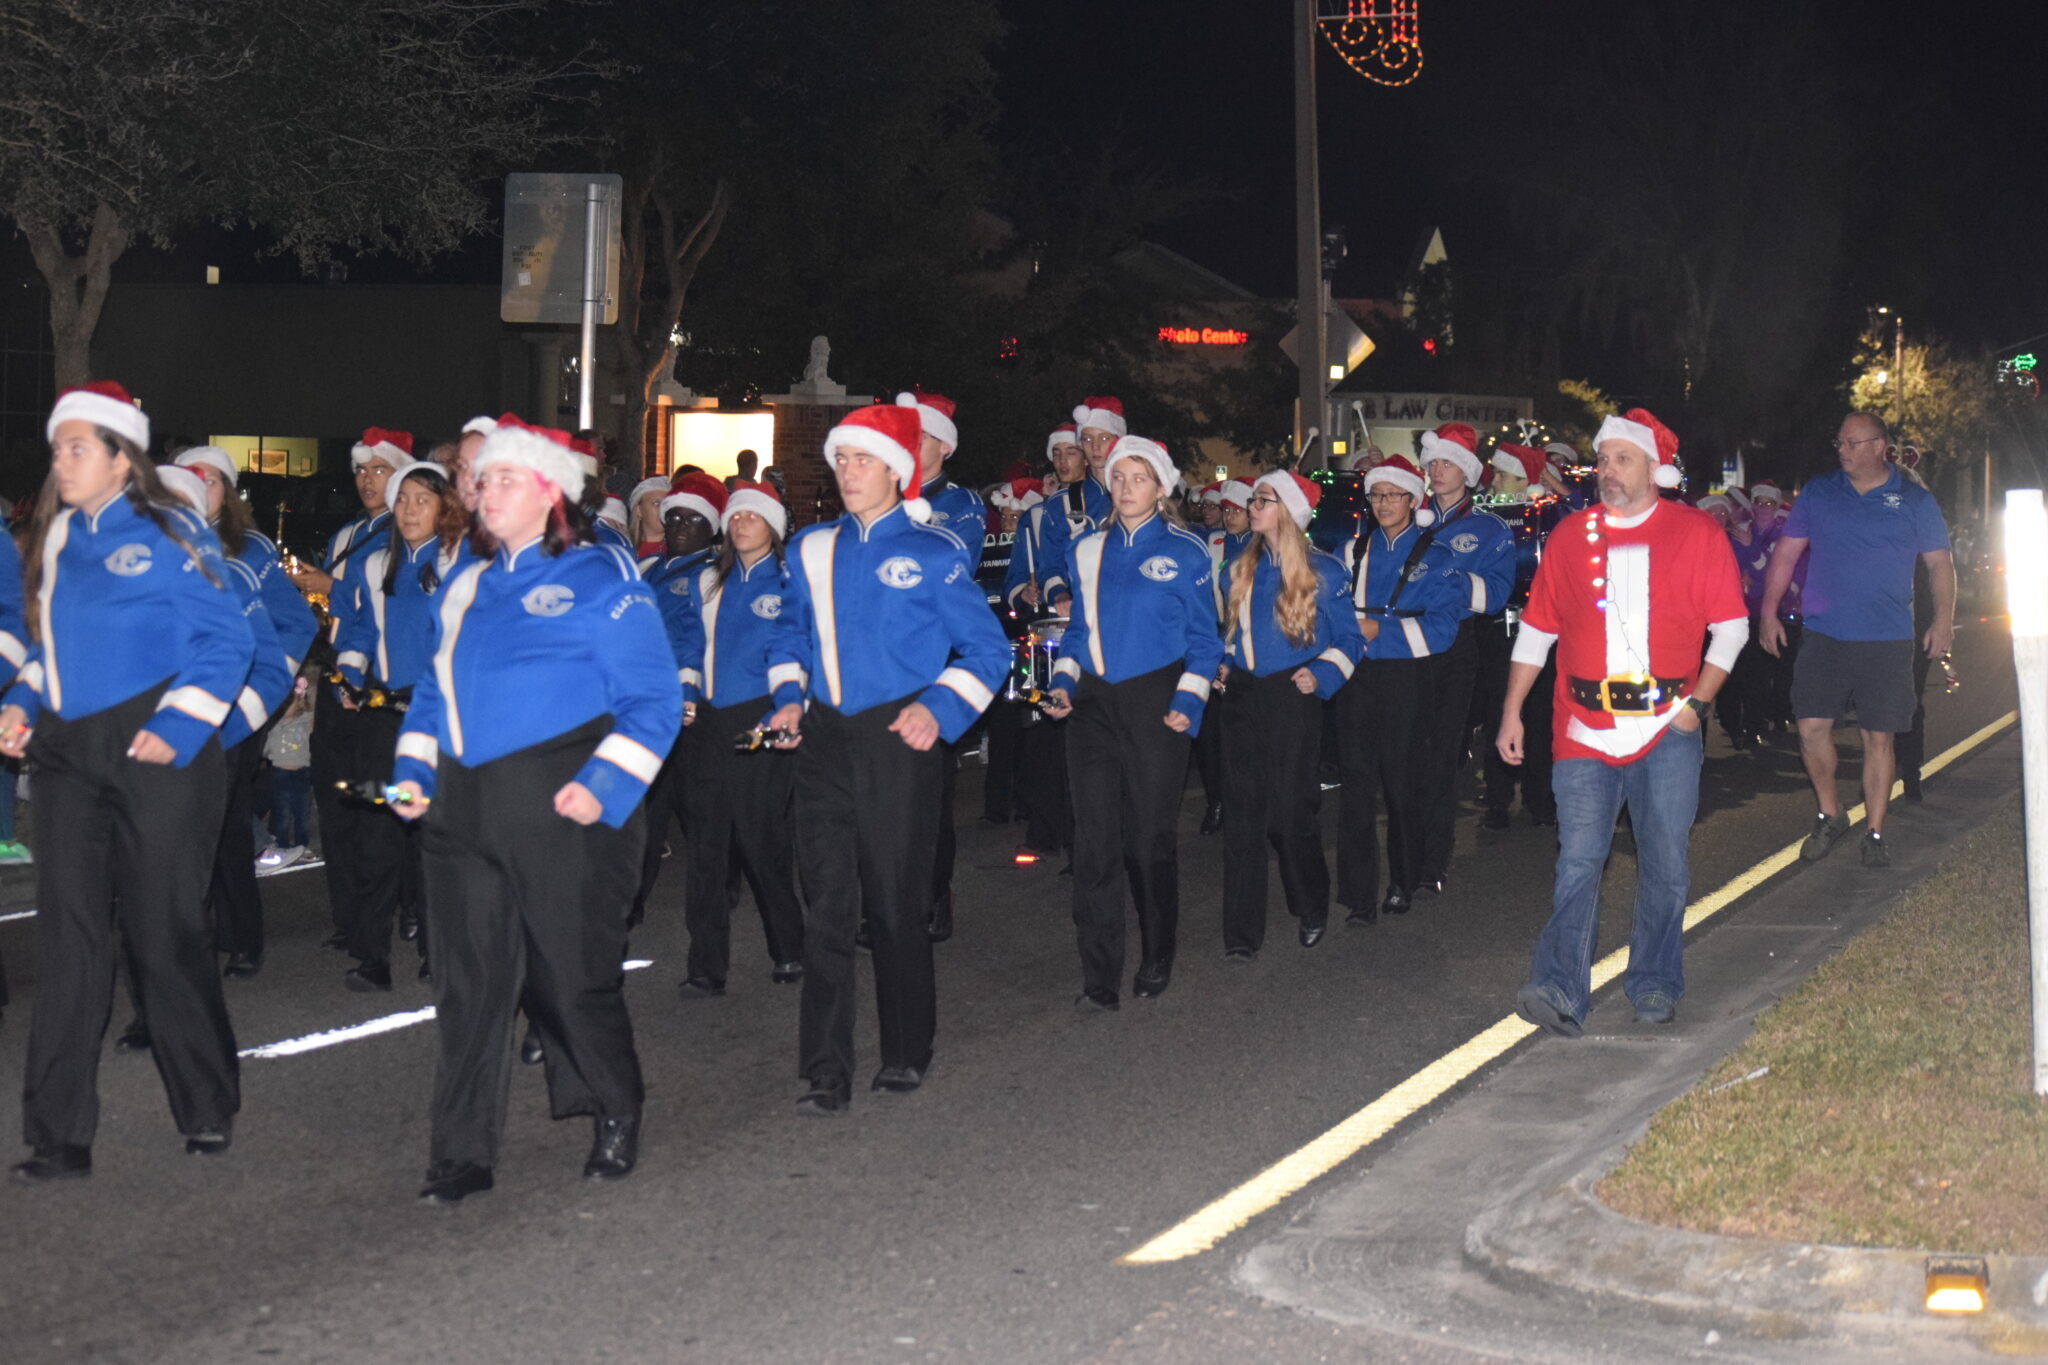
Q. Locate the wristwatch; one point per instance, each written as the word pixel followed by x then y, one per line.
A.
pixel 1699 708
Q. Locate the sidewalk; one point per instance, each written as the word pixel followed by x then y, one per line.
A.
pixel 1479 1229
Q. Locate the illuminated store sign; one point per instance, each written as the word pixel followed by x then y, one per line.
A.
pixel 1203 336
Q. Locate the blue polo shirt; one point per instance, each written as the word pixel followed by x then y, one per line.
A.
pixel 1859 576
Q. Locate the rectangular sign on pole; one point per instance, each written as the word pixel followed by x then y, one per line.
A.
pixel 545 226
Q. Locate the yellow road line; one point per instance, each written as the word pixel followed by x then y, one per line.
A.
pixel 1211 1224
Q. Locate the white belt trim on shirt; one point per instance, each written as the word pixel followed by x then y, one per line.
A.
pixel 630 754
pixel 1088 568
pixel 1630 735
pixel 1478 594
pixel 417 744
pixel 460 595
pixel 12 649
pixel 60 531
pixel 817 557
pixel 968 687
pixel 252 708
pixel 1418 643
pixel 1195 683
pixel 195 702
pixel 1336 659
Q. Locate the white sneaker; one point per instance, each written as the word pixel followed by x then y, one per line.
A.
pixel 275 859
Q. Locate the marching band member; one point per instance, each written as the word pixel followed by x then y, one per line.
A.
pixel 13 649
pixel 1292 641
pixel 739 804
pixel 1482 550
pixel 957 509
pixel 534 731
pixel 237 904
pixel 384 640
pixel 689 519
pixel 643 518
pixel 1042 748
pixel 1099 423
pixel 339 737
pixel 1011 502
pixel 139 653
pixel 1409 599
pixel 1023 581
pixel 1230 501
pixel 1135 670
pixel 926 655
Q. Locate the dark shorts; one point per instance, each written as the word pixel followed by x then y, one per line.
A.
pixel 1874 676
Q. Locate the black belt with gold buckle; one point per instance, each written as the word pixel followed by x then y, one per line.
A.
pixel 1625 696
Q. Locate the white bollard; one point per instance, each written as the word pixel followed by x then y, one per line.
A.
pixel 2026 598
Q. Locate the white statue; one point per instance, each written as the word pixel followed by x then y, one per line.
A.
pixel 821 356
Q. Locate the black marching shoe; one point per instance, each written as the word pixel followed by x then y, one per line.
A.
pixel 1428 886
pixel 61 1162
pixel 824 1100
pixel 451 1182
pixel 1363 917
pixel 614 1150
pixel 408 924
pixel 1396 903
pixel 209 1141
pixel 1212 818
pixel 242 966
pixel 897 1080
pixel 134 1038
pixel 1096 1000
pixel 863 937
pixel 1151 980
pixel 1238 957
pixel 1493 819
pixel 699 988
pixel 426 970
pixel 365 977
pixel 787 973
pixel 940 927
pixel 530 1050
pixel 1310 934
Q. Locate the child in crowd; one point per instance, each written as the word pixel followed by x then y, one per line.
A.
pixel 289 752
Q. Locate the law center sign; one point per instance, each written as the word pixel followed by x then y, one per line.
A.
pixel 1434 409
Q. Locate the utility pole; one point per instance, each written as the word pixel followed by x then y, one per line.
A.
pixel 1899 369
pixel 1311 356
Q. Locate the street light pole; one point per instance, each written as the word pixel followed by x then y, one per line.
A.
pixel 1311 355
pixel 1899 369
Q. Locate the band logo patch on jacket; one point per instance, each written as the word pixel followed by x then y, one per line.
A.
pixel 129 561
pixel 1160 569
pixel 767 606
pixel 549 599
pixel 900 571
pixel 1464 542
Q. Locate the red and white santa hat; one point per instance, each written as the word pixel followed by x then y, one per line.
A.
pixel 433 467
pixel 889 433
pixel 1018 495
pixel 1641 429
pixel 1209 492
pixel 586 454
pixel 104 404
pixel 613 511
pixel 934 416
pixel 209 457
pixel 480 426
pixel 1103 413
pixel 760 499
pixel 183 483
pixel 392 447
pixel 1561 455
pixel 1713 500
pixel 1062 435
pixel 1400 472
pixel 643 489
pixel 699 493
pixel 1152 453
pixel 1458 443
pixel 1236 492
pixel 1298 495
pixel 1766 491
pixel 1524 462
pixel 544 450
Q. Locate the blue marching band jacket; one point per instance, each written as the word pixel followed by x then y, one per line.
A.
pixel 738 616
pixel 123 607
pixel 557 624
pixel 895 580
pixel 1061 529
pixel 961 511
pixel 1256 643
pixel 673 581
pixel 391 638
pixel 1482 548
pixel 1418 607
pixel 1142 601
pixel 13 630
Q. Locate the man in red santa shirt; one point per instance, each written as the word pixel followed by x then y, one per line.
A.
pixel 1625 590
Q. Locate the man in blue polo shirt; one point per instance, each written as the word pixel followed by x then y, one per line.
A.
pixel 1865 525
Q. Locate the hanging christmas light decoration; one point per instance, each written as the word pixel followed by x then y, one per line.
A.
pixel 1376 38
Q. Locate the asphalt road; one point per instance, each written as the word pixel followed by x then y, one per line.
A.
pixel 979 1219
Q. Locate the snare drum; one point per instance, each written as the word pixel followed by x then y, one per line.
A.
pixel 1035 652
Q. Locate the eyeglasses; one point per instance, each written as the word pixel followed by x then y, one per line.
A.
pixel 1265 500
pixel 1841 444
pixel 1387 497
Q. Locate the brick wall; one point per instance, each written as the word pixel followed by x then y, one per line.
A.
pixel 808 489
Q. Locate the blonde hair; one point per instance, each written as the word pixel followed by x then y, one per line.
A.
pixel 1294 610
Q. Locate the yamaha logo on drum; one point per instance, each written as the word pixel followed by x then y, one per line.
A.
pixel 900 571
pixel 1160 569
pixel 768 606
pixel 549 599
pixel 130 561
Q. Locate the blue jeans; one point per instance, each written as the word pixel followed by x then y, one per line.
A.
pixel 1662 791
pixel 10 772
pixel 291 801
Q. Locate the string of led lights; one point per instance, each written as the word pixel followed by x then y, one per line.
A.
pixel 1379 39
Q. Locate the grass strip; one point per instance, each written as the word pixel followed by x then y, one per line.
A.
pixel 1898 1108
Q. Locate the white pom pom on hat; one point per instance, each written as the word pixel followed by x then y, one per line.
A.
pixel 1641 429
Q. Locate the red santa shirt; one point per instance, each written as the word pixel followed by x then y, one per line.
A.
pixel 1629 597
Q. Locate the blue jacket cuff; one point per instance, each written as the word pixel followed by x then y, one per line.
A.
pixel 185 734
pixel 616 790
pixel 1189 705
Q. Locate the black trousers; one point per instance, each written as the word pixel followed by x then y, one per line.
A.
pixel 867 808
pixel 1003 791
pixel 1126 769
pixel 237 904
pixel 1272 740
pixel 342 752
pixel 946 845
pixel 1533 774
pixel 665 802
pixel 740 806
pixel 1448 719
pixel 526 909
pixel 1043 781
pixel 380 843
pixel 1383 745
pixel 127 844
pixel 1209 758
